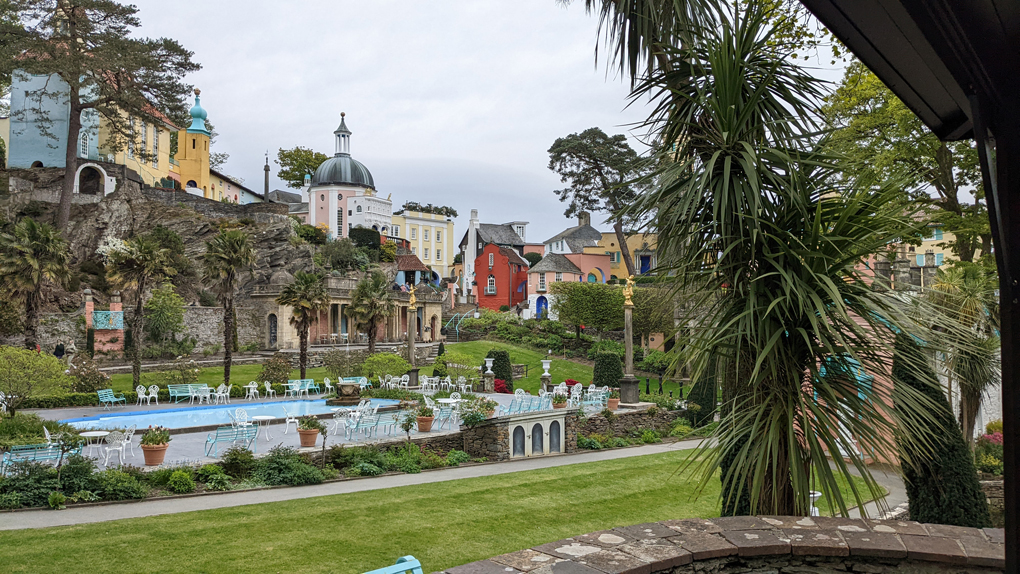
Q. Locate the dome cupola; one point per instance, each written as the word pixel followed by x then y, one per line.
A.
pixel 342 169
pixel 198 116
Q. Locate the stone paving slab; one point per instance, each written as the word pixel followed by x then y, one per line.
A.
pixel 648 530
pixel 897 527
pixel 705 546
pixel 934 549
pixel 758 542
pixel 693 526
pixel 658 551
pixel 525 560
pixel 482 567
pixel 874 544
pixel 615 562
pixel 982 552
pixel 604 538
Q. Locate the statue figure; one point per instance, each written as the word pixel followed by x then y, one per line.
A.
pixel 413 300
pixel 628 291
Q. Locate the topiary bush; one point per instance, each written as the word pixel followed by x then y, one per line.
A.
pixel 442 349
pixel 501 366
pixel 942 483
pixel 384 364
pixel 608 370
pixel 284 466
pixel 276 370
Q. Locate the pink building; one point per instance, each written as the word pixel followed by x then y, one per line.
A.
pixel 556 267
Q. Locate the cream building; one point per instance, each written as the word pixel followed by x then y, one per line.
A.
pixel 429 236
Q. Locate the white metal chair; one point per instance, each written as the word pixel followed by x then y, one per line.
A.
pixel 242 417
pixel 288 419
pixel 154 393
pixel 329 388
pixel 129 434
pixel 140 391
pixel 405 381
pixel 455 395
pixel 222 394
pixel 519 392
pixel 204 394
pixel 49 439
pixel 114 443
pixel 463 385
pixel 269 390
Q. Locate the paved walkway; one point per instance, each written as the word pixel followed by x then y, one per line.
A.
pixel 85 515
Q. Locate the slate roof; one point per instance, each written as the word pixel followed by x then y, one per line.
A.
pixel 513 256
pixel 557 263
pixel 280 196
pixel 500 234
pixel 577 237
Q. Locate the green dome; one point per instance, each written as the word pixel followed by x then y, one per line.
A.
pixel 198 116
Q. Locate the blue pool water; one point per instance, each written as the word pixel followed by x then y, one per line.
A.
pixel 205 415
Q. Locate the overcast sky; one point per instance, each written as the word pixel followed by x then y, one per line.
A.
pixel 453 103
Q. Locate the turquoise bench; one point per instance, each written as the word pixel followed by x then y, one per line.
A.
pixel 362 381
pixel 181 392
pixel 33 452
pixel 404 565
pixel 245 434
pixel 107 398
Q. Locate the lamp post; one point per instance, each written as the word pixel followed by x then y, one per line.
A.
pixel 630 389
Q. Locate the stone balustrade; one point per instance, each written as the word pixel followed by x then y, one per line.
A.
pixel 744 544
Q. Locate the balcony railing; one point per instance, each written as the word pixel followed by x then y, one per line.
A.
pixel 490 290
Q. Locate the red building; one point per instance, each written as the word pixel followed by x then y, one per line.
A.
pixel 502 277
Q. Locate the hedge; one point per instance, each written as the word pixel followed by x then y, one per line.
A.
pixel 941 480
pixel 501 366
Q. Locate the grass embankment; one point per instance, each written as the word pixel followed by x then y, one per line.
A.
pixel 443 524
pixel 212 376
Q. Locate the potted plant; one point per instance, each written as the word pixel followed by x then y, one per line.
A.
pixel 614 400
pixel 154 443
pixel 487 406
pixel 308 429
pixel 425 416
pixel 559 401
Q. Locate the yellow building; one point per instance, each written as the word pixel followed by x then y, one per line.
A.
pixel 193 155
pixel 148 153
pixel 642 250
pixel 430 236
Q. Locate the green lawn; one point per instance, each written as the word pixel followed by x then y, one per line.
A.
pixel 442 524
pixel 561 369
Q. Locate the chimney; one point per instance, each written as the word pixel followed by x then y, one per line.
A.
pixel 583 218
pixel 929 258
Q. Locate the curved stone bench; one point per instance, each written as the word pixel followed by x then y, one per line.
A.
pixel 774 544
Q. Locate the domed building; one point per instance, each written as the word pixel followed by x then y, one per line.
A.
pixel 342 194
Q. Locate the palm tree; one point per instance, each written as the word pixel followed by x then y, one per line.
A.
pixel 307 296
pixel 371 304
pixel 760 230
pixel 227 255
pixel 966 317
pixel 141 263
pixel 31 255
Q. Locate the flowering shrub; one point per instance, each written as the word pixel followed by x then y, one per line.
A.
pixel 572 382
pixel 501 387
pixel 87 376
pixel 994 427
pixel 988 454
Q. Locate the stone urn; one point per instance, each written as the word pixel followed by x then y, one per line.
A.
pixel 154 453
pixel 348 393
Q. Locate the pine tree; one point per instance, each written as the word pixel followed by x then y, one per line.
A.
pixel 942 483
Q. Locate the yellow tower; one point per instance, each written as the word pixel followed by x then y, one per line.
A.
pixel 193 152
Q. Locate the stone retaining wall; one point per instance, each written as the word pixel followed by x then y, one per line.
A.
pixel 744 544
pixel 625 421
pixel 995 494
pixel 260 212
pixel 490 439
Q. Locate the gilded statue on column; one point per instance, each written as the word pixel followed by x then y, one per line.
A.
pixel 628 292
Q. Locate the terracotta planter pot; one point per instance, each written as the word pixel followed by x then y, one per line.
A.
pixel 308 437
pixel 425 424
pixel 488 414
pixel 154 453
pixel 559 405
pixel 614 404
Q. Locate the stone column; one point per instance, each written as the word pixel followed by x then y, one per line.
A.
pixel 546 383
pixel 630 387
pixel 412 317
pixel 489 382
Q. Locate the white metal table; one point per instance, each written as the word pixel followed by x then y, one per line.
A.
pixel 263 421
pixel 94 434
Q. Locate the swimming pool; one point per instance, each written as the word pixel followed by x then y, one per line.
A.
pixel 205 415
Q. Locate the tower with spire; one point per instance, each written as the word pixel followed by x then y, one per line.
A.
pixel 265 194
pixel 193 152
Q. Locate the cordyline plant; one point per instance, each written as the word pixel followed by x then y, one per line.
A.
pixel 760 232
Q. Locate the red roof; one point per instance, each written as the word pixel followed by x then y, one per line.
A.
pixel 410 263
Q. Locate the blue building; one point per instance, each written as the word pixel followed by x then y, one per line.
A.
pixel 34 100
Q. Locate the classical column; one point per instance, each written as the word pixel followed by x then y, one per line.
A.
pixel 630 388
pixel 412 320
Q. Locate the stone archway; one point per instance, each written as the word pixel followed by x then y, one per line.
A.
pixel 92 179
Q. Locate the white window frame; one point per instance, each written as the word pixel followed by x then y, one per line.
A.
pixel 396 231
pixel 425 253
pixel 83 145
pixel 131 139
pixel 492 260
pixel 541 281
pixel 490 286
pixel 559 276
pixel 155 148
pixel 414 233
pixel 439 254
pixel 414 250
pixel 145 137
pixel 425 234
pixel 439 235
